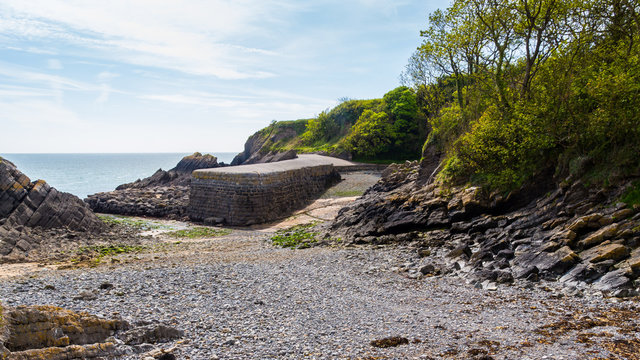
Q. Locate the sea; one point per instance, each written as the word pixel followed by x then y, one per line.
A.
pixel 86 174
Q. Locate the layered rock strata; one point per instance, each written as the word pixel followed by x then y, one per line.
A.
pixel 35 205
pixel 259 193
pixel 49 332
pixel 570 233
pixel 163 194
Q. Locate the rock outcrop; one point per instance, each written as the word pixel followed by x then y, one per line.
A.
pixel 571 233
pixel 37 206
pixel 255 151
pixel 180 175
pixel 163 194
pixel 49 332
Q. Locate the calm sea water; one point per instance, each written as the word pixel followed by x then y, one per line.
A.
pixel 85 174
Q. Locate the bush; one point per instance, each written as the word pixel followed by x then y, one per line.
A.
pixel 501 151
pixel 371 135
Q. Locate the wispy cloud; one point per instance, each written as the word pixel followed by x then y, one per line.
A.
pixel 28 76
pixel 54 64
pixel 201 37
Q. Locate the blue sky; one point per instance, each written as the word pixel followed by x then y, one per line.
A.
pixel 184 76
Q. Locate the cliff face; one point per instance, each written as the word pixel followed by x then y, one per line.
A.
pixel 256 148
pixel 572 233
pixel 36 205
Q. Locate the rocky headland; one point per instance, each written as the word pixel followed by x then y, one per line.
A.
pixel 163 194
pixel 581 236
pixel 256 147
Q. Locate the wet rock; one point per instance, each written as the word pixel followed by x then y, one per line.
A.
pixel 544 230
pixel 504 277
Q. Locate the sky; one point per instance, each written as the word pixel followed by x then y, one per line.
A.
pixel 87 76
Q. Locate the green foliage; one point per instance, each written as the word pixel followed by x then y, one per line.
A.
pixel 295 237
pixel 519 87
pixel 323 127
pixel 198 232
pixel 631 197
pixel 500 151
pixel 371 135
pixel 350 127
pixel 446 127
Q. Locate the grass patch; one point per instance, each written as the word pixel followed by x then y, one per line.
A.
pixel 347 193
pixel 198 232
pixel 138 224
pixel 94 254
pixel 632 195
pixel 296 237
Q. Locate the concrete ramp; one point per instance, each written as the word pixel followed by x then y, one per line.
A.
pixel 259 193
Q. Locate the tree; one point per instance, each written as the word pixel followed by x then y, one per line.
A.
pixel 371 135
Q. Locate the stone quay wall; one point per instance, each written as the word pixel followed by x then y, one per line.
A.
pixel 259 193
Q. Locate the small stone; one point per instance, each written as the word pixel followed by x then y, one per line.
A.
pixel 424 252
pixel 85 295
pixel 427 269
pixel 106 286
pixel 489 285
pixel 459 251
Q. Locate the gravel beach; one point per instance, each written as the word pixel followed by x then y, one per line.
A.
pixel 240 297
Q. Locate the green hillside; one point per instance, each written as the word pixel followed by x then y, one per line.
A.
pixel 390 128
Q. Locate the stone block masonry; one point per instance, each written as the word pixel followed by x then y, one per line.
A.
pixel 259 193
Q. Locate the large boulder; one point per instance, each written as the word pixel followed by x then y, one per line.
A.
pixel 37 206
pixel 50 332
